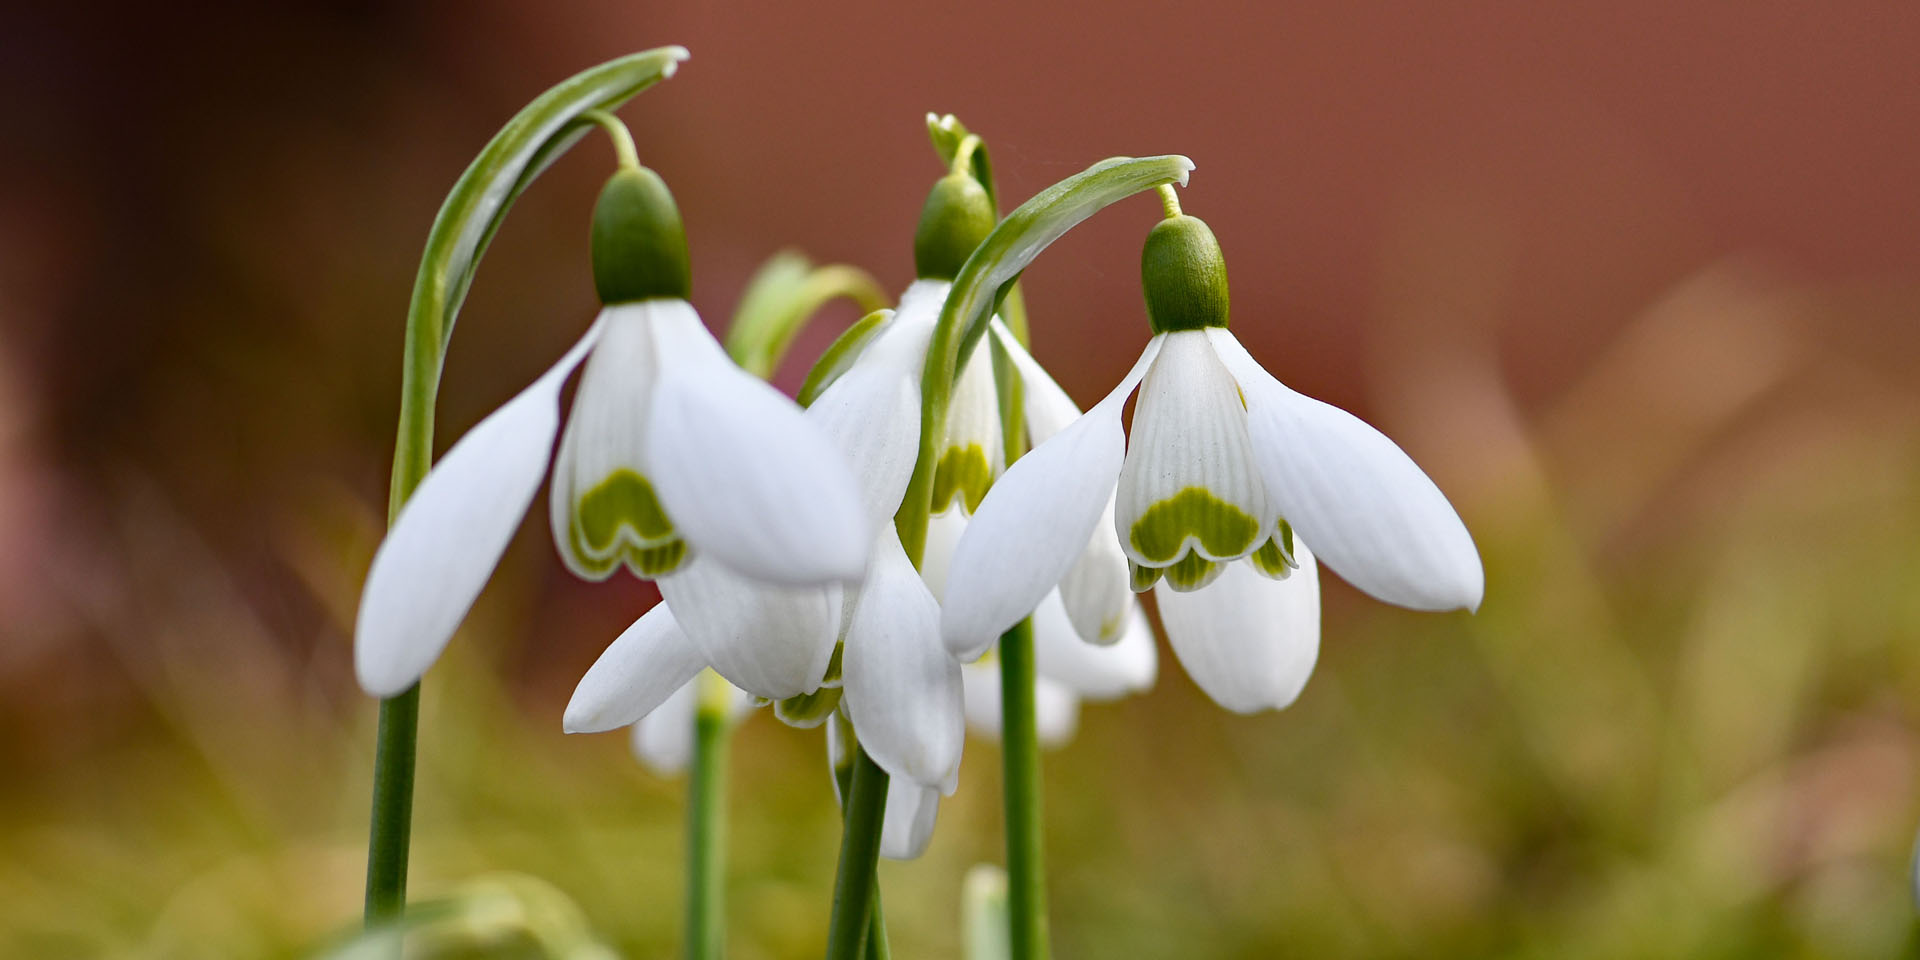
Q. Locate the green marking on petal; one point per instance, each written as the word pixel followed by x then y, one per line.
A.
pixel 647 561
pixel 1223 530
pixel 1275 557
pixel 963 472
pixel 832 679
pixel 1192 572
pixel 1140 578
pixel 808 710
pixel 650 562
pixel 624 501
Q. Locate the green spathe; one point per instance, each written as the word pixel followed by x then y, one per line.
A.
pixel 639 244
pixel 1184 276
pixel 958 215
pixel 1161 534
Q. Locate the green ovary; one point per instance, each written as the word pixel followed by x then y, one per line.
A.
pixel 962 472
pixel 1223 530
pixel 621 520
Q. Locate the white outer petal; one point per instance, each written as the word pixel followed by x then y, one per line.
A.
pixel 872 415
pixel 1048 408
pixel 1096 673
pixel 901 689
pixel 1034 523
pixel 1248 641
pixel 1096 590
pixel 450 534
pixel 636 673
pixel 1367 508
pixel 770 640
pixel 907 824
pixel 663 739
pixel 743 475
pixel 1056 709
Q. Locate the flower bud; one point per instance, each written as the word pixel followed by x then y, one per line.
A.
pixel 1184 276
pixel 639 244
pixel 958 215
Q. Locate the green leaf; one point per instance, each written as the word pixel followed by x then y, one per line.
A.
pixel 782 297
pixel 472 213
pixel 840 355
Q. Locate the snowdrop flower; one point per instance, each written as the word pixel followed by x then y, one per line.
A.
pixel 1225 480
pixel 673 457
pixel 895 678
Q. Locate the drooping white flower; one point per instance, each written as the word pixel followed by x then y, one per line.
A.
pixel 897 682
pixel 671 452
pixel 1225 468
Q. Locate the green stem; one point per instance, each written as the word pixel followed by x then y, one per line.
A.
pixel 1020 752
pixel 392 807
pixel 853 885
pixel 707 828
pixel 622 138
pixel 877 947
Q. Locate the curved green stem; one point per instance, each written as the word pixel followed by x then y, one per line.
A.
pixel 853 884
pixel 623 150
pixel 467 221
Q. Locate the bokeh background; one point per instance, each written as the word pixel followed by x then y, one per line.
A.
pixel 1638 283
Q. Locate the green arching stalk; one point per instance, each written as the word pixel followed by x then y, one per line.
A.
pixel 467 221
pixel 784 294
pixel 998 262
pixel 706 821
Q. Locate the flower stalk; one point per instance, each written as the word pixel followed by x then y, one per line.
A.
pixel 1020 758
pixel 854 888
pixel 473 211
pixel 706 821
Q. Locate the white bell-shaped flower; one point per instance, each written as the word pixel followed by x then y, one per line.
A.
pixel 1225 468
pixel 672 451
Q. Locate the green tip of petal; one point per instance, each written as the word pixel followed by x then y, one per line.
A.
pixel 1275 557
pixel 1194 514
pixel 808 710
pixel 963 474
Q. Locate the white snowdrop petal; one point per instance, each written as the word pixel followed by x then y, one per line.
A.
pixel 1096 591
pixel 972 452
pixel 602 506
pixel 1048 409
pixel 1190 482
pixel 900 688
pixel 907 824
pixel 1093 672
pixel 1034 524
pixel 1056 709
pixel 663 739
pixel 640 670
pixel 743 475
pixel 1248 641
pixel 450 534
pixel 1367 508
pixel 872 415
pixel 770 640
pixel 943 534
